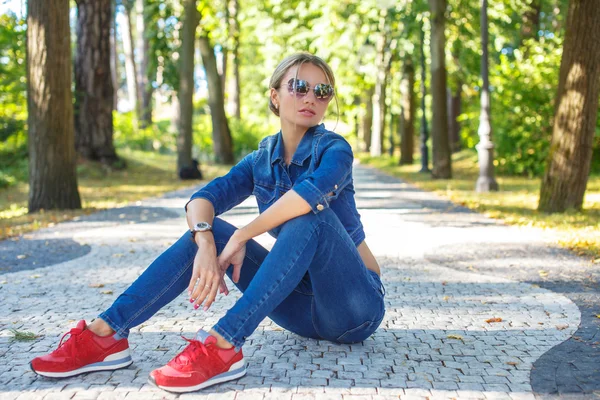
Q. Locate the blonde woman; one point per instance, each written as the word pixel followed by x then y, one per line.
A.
pixel 320 280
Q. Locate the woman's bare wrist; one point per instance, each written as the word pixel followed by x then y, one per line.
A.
pixel 204 239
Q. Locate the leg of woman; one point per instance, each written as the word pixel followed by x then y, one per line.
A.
pixel 169 275
pixel 347 304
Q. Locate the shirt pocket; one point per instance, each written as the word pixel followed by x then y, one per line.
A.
pixel 263 193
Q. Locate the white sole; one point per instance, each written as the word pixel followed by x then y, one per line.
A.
pixel 236 371
pixel 118 360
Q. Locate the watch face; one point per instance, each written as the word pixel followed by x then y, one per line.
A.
pixel 202 226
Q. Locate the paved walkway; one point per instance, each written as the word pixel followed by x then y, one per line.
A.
pixel 448 272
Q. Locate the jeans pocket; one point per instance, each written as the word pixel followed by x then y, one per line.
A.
pixel 360 333
pixel 376 282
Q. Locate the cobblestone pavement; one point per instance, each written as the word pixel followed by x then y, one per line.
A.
pixel 437 341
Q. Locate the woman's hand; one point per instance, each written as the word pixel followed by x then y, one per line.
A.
pixel 233 253
pixel 207 277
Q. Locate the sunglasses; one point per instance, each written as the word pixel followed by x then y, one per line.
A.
pixel 323 91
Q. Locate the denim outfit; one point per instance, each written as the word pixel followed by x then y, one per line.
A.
pixel 313 282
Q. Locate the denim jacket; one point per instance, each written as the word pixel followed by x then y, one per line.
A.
pixel 320 172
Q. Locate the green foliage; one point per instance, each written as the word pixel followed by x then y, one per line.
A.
pixel 157 137
pixel 245 136
pixel 13 103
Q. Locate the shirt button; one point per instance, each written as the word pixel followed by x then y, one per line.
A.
pixel 320 207
pixel 335 187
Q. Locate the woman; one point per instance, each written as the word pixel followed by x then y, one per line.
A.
pixel 320 280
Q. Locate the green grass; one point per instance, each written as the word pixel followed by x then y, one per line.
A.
pixel 148 174
pixel 515 203
pixel 23 336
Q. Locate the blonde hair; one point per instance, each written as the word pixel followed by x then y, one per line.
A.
pixel 298 59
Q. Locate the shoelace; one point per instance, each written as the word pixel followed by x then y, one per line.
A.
pixel 68 347
pixel 191 353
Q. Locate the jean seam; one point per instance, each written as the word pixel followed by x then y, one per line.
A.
pixel 312 316
pixel 264 298
pixel 151 302
pixel 351 248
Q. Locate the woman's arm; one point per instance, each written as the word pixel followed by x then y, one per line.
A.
pixel 289 206
pixel 201 210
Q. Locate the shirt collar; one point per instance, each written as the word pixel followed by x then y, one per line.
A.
pixel 302 152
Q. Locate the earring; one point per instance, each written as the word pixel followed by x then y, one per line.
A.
pixel 277 106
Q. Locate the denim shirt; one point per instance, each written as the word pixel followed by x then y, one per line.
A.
pixel 320 172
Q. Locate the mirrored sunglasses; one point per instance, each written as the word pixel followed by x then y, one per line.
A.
pixel 323 91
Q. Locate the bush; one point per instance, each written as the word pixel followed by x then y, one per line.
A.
pixel 157 137
pixel 245 138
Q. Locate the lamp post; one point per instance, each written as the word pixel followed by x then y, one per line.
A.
pixel 485 149
pixel 424 131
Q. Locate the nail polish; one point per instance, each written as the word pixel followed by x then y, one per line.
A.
pixel 191 300
pixel 196 306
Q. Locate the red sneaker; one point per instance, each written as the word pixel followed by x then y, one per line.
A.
pixel 201 364
pixel 83 352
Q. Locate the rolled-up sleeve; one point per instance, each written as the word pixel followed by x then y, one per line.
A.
pixel 329 178
pixel 231 189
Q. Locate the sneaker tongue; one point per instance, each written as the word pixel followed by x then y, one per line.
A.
pixel 81 325
pixel 202 336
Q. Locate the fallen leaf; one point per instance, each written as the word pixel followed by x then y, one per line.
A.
pixel 597 315
pixel 513 363
pixel 561 327
pixel 96 285
pixel 491 320
pixel 21 256
pixel 446 298
pixel 543 273
pixel 117 255
pixel 35 276
pixel 107 292
pixel 457 337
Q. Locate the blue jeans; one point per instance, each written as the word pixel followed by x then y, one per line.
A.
pixel 313 283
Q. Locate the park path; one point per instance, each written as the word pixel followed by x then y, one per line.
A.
pixel 437 340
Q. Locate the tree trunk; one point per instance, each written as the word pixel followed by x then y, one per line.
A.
pixel 380 87
pixel 114 57
pixel 454 111
pixel 223 146
pixel 368 118
pixel 52 160
pixel 406 122
pixel 186 84
pixel 564 183
pixel 222 62
pixel 442 168
pixel 234 33
pixel 531 21
pixel 145 89
pixel 93 82
pixel 130 67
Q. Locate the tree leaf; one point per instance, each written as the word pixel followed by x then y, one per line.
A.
pixel 492 320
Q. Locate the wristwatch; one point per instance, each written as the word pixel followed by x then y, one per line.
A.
pixel 200 227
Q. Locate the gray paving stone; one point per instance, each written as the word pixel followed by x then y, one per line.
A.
pixel 433 343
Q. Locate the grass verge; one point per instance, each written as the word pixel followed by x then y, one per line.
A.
pixel 515 203
pixel 148 174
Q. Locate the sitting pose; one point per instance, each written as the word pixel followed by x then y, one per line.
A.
pixel 320 280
